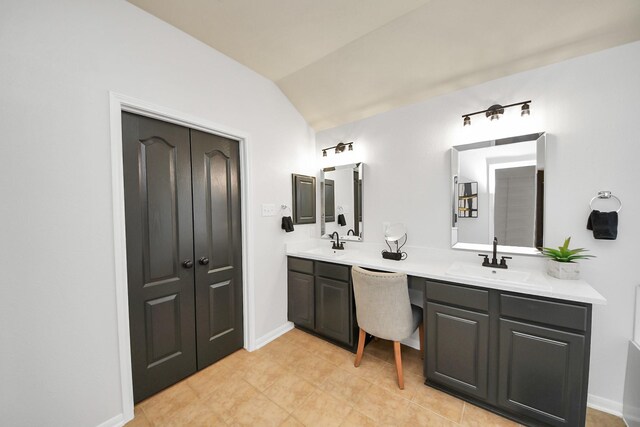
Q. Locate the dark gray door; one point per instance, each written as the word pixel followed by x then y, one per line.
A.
pixel 301 299
pixel 157 176
pixel 304 199
pixel 458 349
pixel 217 246
pixel 541 373
pixel 185 293
pixel 332 309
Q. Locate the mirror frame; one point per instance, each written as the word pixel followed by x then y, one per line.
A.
pixel 353 166
pixel 540 138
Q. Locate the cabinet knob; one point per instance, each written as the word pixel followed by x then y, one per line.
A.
pixel 187 263
pixel 203 261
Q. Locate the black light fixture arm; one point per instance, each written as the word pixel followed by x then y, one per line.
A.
pixel 496 107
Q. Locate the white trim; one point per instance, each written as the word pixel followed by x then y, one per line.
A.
pixel 270 336
pixel 119 103
pixel 605 405
pixel 117 421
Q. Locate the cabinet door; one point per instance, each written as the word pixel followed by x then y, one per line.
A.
pixel 300 304
pixel 304 199
pixel 540 373
pixel 458 349
pixel 333 315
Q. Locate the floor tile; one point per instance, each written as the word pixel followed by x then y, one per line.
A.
pixel 291 422
pixel 225 400
pixel 289 391
pixel 263 373
pixel 369 369
pixel 258 411
pixel 194 414
pixel 602 419
pixel 139 418
pixel 419 416
pixel 357 419
pixel 439 402
pixel 345 386
pixel 322 409
pixel 388 379
pixel 477 417
pixel 383 406
pixel 160 406
pixel 314 369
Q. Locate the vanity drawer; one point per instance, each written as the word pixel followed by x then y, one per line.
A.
pixel 477 299
pixel 300 265
pixel 548 312
pixel 333 271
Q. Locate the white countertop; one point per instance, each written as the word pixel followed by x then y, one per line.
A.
pixel 434 264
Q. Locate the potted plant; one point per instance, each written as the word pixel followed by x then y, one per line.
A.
pixel 562 263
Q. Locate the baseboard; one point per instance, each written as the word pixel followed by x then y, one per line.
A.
pixel 268 337
pixel 117 421
pixel 605 405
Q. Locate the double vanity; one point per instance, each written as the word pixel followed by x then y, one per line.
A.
pixel 514 341
pixel 508 338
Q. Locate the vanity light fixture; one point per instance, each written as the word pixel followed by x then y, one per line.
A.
pixel 495 111
pixel 338 148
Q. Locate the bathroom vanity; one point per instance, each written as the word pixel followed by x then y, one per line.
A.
pixel 517 344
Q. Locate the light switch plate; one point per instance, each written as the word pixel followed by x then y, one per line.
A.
pixel 268 209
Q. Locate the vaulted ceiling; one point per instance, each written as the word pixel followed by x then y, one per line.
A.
pixel 342 60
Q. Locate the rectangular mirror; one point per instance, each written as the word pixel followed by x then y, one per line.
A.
pixel 498 191
pixel 341 201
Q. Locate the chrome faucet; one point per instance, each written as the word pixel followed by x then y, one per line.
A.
pixel 494 260
pixel 337 244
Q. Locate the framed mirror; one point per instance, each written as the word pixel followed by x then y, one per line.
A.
pixel 497 190
pixel 341 201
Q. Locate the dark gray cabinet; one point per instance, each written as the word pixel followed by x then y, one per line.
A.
pixel 320 300
pixel 304 199
pixel 329 200
pixel 458 343
pixel 524 357
pixel 301 299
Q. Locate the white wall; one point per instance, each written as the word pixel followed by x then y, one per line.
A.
pixel 589 106
pixel 58 62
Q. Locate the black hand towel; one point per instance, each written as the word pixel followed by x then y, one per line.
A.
pixel 287 224
pixel 341 220
pixel 603 224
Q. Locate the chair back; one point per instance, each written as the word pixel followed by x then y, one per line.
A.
pixel 383 308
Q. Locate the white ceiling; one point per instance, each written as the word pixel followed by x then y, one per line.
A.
pixel 342 60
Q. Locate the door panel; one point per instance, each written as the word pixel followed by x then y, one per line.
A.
pixel 332 309
pixel 158 213
pixel 540 372
pixel 458 348
pixel 301 299
pixel 217 245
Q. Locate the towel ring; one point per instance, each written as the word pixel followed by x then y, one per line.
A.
pixel 605 195
pixel 286 209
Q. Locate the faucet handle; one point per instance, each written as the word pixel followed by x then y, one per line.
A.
pixel 486 259
pixel 503 260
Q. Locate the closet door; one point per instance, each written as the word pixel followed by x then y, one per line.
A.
pixel 158 213
pixel 217 246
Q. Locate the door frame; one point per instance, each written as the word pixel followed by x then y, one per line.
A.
pixel 117 104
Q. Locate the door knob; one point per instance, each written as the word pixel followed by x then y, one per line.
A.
pixel 203 261
pixel 187 263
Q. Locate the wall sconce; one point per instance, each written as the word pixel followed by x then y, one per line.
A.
pixel 495 111
pixel 338 148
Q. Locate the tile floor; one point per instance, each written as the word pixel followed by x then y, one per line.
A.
pixel 300 380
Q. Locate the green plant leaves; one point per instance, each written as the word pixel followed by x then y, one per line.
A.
pixel 564 254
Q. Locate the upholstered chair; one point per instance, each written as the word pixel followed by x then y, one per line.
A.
pixel 383 310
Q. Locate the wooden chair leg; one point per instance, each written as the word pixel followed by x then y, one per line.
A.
pixel 398 356
pixel 421 332
pixel 361 339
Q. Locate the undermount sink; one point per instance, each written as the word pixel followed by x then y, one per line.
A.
pixel 326 252
pixel 508 276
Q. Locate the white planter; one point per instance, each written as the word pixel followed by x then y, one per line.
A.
pixel 563 270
